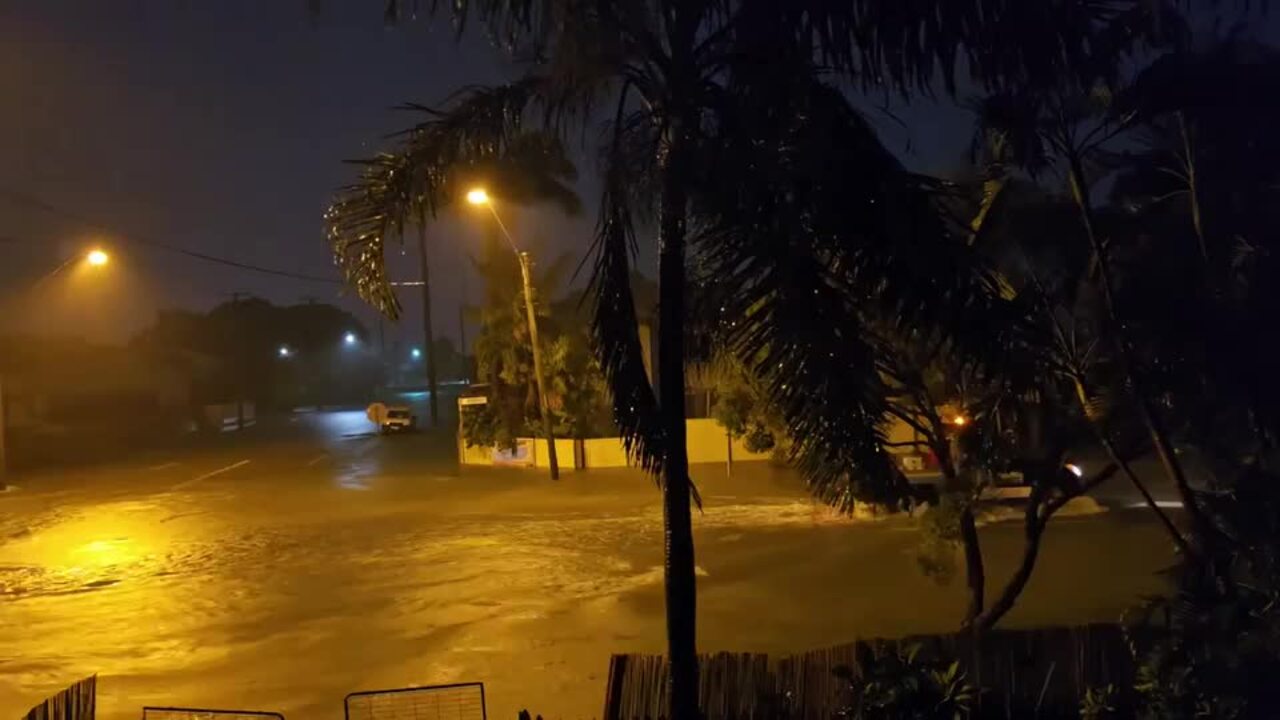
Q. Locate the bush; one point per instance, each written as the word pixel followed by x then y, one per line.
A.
pixel 1219 652
pixel 901 683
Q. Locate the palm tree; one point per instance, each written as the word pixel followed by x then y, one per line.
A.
pixel 403 187
pixel 1030 236
pixel 723 133
pixel 1069 127
pixel 1204 176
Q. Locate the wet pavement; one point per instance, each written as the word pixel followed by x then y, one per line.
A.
pixel 286 567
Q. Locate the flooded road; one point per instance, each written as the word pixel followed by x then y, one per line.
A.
pixel 284 572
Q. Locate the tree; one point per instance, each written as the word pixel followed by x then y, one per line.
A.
pixel 705 99
pixel 1201 281
pixel 504 362
pixel 978 418
pixel 1205 185
pixel 1179 294
pixel 1160 316
pixel 742 407
pixel 244 337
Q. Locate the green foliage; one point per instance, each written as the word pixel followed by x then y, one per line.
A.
pixel 903 684
pixel 759 439
pixel 1099 703
pixel 735 401
pixel 240 341
pixel 484 426
pixel 1219 653
pixel 743 408
pixel 576 392
pixel 940 537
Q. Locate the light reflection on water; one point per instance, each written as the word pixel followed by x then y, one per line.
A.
pixel 283 589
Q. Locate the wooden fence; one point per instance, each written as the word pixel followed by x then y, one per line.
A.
pixel 78 702
pixel 1021 673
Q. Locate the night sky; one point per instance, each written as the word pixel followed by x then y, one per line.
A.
pixel 221 127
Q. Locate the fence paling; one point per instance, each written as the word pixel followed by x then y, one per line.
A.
pixel 1051 667
pixel 77 702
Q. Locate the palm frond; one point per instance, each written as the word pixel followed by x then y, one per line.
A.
pixel 855 240
pixel 904 46
pixel 479 136
pixel 614 323
pixel 909 46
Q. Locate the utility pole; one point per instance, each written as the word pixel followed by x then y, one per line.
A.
pixel 94 258
pixel 429 351
pixel 242 370
pixel 462 326
pixel 479 197
pixel 537 365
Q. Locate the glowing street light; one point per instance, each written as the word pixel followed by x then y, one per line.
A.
pixel 284 351
pixel 349 338
pixel 478 196
pixel 416 353
pixel 94 258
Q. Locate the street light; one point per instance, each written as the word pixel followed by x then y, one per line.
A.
pixel 284 351
pixel 416 353
pixel 349 338
pixel 478 196
pixel 93 258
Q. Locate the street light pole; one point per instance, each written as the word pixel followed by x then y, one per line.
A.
pixel 462 325
pixel 537 365
pixel 428 335
pixel 479 197
pixel 95 258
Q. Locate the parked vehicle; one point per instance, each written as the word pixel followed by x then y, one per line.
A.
pixel 391 418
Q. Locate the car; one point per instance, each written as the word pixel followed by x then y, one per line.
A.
pixel 398 418
pixel 391 418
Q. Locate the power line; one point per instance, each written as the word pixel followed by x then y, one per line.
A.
pixel 32 201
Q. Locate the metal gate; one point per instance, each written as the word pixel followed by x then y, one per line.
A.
pixel 463 701
pixel 176 713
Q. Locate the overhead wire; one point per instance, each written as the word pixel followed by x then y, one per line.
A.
pixel 24 198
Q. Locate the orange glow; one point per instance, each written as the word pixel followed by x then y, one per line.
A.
pixel 959 420
pixel 97 258
pixel 478 196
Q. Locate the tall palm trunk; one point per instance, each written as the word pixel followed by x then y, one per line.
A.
pixel 1150 417
pixel 681 590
